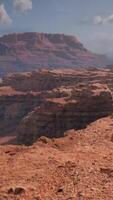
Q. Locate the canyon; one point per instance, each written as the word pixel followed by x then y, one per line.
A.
pixel 56 134
pixel 50 102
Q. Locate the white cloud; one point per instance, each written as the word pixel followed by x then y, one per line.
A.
pixel 23 5
pixel 4 17
pixel 98 20
pixel 103 20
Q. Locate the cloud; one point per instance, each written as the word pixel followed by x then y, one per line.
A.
pixel 109 19
pixel 98 20
pixel 23 5
pixel 5 19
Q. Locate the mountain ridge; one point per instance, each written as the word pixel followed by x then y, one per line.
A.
pixel 31 50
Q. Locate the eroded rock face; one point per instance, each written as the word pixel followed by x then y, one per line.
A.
pixel 53 119
pixel 13 108
pixel 4 49
pixel 34 81
pixel 29 51
pixel 48 103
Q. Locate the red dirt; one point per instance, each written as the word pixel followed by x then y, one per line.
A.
pixel 76 167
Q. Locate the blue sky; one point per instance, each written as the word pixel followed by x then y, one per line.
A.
pixel 90 20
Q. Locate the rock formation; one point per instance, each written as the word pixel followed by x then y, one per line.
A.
pixel 52 119
pixel 29 51
pixel 48 103
pixel 66 116
pixel 13 107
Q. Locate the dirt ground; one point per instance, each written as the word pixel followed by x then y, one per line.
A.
pixel 76 167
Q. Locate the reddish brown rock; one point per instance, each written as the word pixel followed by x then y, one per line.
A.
pixel 29 51
pixel 53 119
pixel 48 103
pixel 70 164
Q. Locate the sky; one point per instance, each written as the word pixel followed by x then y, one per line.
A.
pixel 90 20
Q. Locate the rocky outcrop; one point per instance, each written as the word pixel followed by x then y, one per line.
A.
pixel 36 81
pixel 29 51
pixel 48 103
pixel 77 166
pixel 4 50
pixel 13 108
pixel 53 119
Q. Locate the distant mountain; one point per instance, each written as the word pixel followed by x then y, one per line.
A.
pixel 29 51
